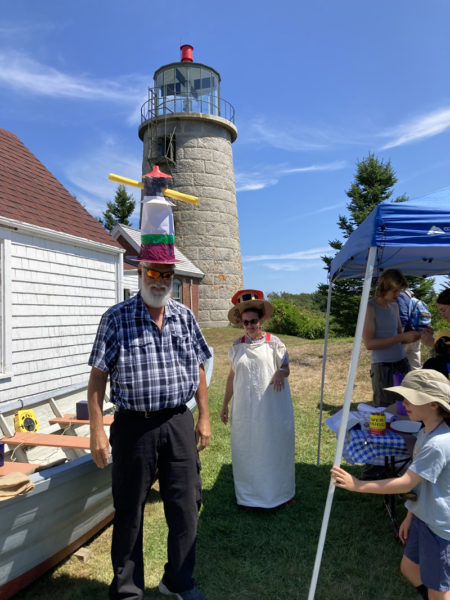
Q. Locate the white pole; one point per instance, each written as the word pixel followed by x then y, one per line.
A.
pixel 345 413
pixel 324 362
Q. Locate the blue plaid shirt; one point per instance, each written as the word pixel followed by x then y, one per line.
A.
pixel 149 368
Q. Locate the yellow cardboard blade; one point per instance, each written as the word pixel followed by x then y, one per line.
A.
pixel 166 191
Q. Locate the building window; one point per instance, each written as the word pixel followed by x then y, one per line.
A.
pixel 177 290
pixel 126 293
pixel 5 309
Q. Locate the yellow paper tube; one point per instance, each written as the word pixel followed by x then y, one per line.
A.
pixel 126 181
pixel 179 196
pixel 166 191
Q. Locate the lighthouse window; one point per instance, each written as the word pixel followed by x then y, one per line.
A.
pixel 167 147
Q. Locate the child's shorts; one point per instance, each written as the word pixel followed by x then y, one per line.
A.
pixel 431 553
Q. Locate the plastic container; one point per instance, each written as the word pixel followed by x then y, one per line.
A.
pixel 82 410
pixel 2 454
pixel 377 424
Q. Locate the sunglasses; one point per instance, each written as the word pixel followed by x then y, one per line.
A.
pixel 153 274
pixel 250 322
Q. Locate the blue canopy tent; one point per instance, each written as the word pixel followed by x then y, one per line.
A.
pixel 413 236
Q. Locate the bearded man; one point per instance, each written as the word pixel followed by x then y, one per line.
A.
pixel 153 351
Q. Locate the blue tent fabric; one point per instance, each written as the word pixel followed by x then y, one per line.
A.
pixel 413 236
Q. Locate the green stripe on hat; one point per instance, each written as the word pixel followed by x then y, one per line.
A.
pixel 157 238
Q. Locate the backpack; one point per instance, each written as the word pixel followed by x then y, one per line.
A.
pixel 419 315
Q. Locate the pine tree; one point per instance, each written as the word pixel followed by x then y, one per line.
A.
pixel 373 183
pixel 118 210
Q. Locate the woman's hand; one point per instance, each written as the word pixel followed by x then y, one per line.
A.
pixel 404 528
pixel 224 413
pixel 278 380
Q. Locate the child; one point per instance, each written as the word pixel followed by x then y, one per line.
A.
pixel 426 528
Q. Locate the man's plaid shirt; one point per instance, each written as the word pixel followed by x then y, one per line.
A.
pixel 149 369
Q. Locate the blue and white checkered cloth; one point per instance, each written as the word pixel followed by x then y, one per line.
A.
pixel 360 447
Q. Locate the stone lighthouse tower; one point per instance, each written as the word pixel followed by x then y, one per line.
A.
pixel 187 129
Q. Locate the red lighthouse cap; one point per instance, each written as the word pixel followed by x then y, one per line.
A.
pixel 186 53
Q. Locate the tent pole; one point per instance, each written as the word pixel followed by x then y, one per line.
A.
pixel 345 413
pixel 324 362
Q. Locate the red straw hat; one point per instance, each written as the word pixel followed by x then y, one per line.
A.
pixel 246 300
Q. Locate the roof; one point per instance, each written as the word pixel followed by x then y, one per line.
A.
pixel 413 236
pixel 31 194
pixel 133 237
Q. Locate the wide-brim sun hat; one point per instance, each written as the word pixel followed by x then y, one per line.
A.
pixel 244 300
pixel 423 386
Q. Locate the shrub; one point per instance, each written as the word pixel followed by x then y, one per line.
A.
pixel 290 320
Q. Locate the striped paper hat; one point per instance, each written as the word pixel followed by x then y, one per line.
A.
pixel 157 228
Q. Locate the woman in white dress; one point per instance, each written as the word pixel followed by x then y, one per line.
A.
pixel 262 419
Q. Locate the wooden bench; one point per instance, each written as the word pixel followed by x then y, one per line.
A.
pixel 70 419
pixel 18 467
pixel 47 439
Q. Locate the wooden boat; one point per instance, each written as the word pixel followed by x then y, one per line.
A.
pixel 71 499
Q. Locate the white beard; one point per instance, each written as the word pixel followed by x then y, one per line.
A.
pixel 155 295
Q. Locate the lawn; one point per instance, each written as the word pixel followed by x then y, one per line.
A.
pixel 266 555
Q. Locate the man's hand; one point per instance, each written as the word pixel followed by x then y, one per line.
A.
pixel 99 448
pixel 202 433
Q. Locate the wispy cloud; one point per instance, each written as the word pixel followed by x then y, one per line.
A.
pixel 301 255
pixel 88 176
pixel 293 267
pixel 258 180
pixel 24 74
pixel 418 128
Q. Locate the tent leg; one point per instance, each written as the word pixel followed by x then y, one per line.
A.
pixel 345 413
pixel 324 362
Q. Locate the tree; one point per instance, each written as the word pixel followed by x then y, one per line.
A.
pixel 119 210
pixel 373 183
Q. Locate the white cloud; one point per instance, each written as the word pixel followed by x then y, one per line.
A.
pixel 258 180
pixel 312 254
pixel 89 175
pixel 419 128
pixel 292 267
pixel 25 74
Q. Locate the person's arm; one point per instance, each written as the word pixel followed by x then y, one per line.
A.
pixel 373 343
pixel 99 440
pixel 405 526
pixel 203 427
pixel 395 485
pixel 227 397
pixel 278 377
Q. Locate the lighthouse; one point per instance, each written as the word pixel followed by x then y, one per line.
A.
pixel 187 129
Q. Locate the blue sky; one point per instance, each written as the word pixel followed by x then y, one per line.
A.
pixel 316 87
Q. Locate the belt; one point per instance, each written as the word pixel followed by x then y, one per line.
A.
pixel 151 414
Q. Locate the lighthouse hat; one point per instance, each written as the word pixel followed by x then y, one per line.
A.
pixel 157 228
pixel 247 300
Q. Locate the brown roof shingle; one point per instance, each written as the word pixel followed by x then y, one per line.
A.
pixel 31 194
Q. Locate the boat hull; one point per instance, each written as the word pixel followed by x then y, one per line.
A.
pixel 67 506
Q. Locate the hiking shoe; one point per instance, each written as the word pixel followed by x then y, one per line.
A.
pixel 192 594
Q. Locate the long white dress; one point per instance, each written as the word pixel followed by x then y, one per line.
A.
pixel 262 427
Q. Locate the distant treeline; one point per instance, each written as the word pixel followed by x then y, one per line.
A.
pixel 302 315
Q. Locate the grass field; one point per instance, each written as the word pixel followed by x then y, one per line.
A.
pixel 266 556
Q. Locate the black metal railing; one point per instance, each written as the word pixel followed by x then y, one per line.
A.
pixel 156 106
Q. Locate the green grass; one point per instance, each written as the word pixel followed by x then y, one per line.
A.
pixel 267 555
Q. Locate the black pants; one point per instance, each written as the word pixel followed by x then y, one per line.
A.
pixel 140 447
pixel 382 375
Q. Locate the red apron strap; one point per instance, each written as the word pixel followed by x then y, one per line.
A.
pixel 267 337
pixel 243 339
